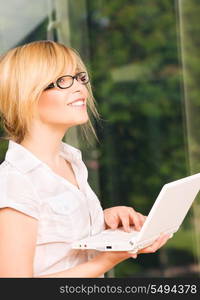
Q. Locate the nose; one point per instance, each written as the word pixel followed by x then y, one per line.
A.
pixel 77 86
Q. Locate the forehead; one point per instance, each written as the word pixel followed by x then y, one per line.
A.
pixel 62 61
pixel 69 65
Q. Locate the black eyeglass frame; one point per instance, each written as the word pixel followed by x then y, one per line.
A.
pixel 56 83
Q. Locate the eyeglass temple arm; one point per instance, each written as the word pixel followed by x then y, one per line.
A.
pixel 51 85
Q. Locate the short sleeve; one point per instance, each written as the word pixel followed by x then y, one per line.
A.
pixel 17 191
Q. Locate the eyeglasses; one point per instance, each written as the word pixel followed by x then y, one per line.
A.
pixel 64 82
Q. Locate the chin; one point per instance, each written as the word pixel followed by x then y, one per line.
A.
pixel 78 122
pixel 82 122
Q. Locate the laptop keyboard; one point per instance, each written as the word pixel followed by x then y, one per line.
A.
pixel 114 235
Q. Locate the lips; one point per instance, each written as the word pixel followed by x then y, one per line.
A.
pixel 77 102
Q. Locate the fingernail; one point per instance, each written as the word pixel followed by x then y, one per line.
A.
pixel 167 236
pixel 113 225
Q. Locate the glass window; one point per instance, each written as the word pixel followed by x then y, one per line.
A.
pixel 22 22
pixel 188 15
pixel 20 19
pixel 143 60
pixel 134 54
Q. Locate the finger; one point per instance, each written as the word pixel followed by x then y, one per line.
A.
pixel 163 240
pixel 156 245
pixel 125 222
pixel 149 249
pixel 112 221
pixel 135 219
pixel 142 218
pixel 152 248
pixel 133 254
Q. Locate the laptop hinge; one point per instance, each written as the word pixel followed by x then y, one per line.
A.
pixel 144 243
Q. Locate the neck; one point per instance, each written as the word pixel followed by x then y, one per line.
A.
pixel 44 142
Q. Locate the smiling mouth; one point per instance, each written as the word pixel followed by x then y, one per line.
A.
pixel 78 102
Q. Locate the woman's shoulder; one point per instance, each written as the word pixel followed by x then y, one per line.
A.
pixel 9 174
pixel 17 191
pixel 5 167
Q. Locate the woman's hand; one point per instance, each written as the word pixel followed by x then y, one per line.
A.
pixel 123 216
pixel 116 257
pixel 126 216
pixel 161 241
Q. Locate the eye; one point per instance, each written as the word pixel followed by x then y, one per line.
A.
pixel 83 77
pixel 64 81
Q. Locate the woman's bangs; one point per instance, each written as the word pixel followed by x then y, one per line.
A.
pixel 65 63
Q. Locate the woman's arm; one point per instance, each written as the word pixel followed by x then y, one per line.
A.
pixel 17 247
pixel 93 268
pixel 18 234
pixel 105 261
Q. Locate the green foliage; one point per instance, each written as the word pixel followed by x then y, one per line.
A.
pixel 137 77
pixel 143 133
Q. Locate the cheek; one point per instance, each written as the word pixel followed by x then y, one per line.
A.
pixel 51 106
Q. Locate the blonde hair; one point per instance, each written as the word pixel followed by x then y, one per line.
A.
pixel 25 71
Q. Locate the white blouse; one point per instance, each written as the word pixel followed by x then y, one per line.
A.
pixel 64 212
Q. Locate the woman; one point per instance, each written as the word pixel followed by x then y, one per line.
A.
pixel 46 202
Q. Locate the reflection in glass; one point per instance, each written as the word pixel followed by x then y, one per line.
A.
pixel 189 41
pixel 139 54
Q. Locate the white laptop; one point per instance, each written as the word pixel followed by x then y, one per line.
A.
pixel 165 216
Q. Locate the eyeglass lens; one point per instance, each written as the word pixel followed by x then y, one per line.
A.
pixel 67 81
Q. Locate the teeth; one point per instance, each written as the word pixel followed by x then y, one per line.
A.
pixel 77 103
